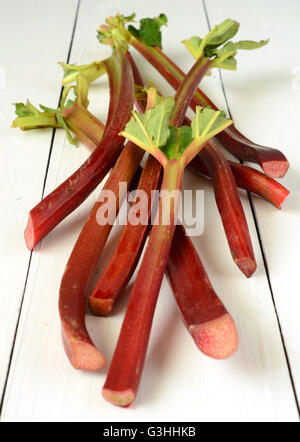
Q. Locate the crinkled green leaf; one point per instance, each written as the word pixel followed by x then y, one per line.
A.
pixel 150 130
pixel 24 110
pixel 129 17
pixel 207 121
pixel 149 31
pixel 229 63
pixel 224 57
pixel 29 117
pixel 215 45
pixel 193 45
pixel 222 33
pixel 178 141
pixel 249 44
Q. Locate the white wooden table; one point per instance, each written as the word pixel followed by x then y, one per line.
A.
pixel 262 380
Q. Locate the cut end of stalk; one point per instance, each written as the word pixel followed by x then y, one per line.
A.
pixel 29 234
pixel 100 307
pixel 275 169
pixel 246 265
pixel 82 355
pixel 284 194
pixel 120 398
pixel 217 338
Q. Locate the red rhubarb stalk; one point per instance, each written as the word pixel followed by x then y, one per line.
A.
pixel 250 179
pixel 272 161
pixel 126 368
pixel 230 209
pixel 138 81
pixel 125 258
pixel 70 194
pixel 81 264
pixel 121 385
pixel 205 316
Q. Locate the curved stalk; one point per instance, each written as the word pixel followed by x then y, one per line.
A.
pixel 71 193
pixel 79 347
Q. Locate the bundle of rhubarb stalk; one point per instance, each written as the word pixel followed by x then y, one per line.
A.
pixel 160 128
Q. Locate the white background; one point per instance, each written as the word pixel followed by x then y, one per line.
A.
pixel 261 381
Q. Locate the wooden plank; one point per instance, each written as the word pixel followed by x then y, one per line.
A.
pixel 28 69
pixel 253 385
pixel 263 97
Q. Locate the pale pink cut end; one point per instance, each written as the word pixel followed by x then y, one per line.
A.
pixel 283 198
pixel 246 265
pixel 217 338
pixel 120 398
pixel 82 355
pixel 275 169
pixel 100 307
pixel 87 357
pixel 29 234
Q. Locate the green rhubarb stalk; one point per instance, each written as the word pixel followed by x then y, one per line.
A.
pixel 71 115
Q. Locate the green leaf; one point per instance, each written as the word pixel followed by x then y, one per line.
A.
pixel 229 63
pixel 149 32
pixel 193 45
pixel 133 31
pixel 24 110
pixel 207 121
pixel 222 33
pixel 129 17
pixel 178 141
pixel 47 109
pixel 29 117
pixel 215 45
pixel 249 44
pixel 150 130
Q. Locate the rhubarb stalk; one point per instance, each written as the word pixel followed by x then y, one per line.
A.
pixel 122 264
pixel 174 147
pixel 204 315
pixel 70 194
pixel 81 265
pixel 230 209
pixel 249 179
pixel 272 161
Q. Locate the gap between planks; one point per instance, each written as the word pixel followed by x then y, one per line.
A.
pixel 265 263
pixel 42 196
